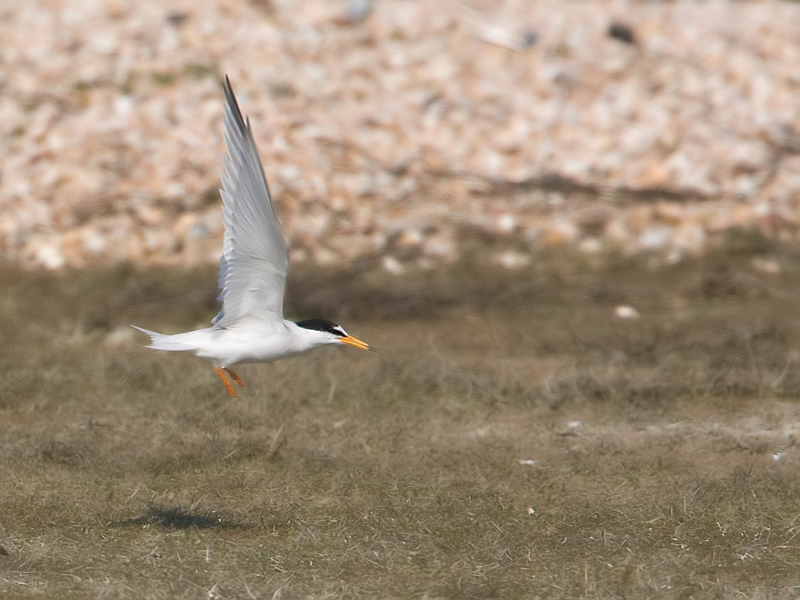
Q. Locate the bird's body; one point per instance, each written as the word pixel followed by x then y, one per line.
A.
pixel 240 345
pixel 250 328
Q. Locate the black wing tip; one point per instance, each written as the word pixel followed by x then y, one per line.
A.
pixel 234 104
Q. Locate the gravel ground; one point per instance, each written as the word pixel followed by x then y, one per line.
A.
pixel 395 128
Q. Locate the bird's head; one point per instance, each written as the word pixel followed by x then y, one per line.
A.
pixel 328 332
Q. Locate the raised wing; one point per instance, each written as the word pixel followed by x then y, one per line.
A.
pixel 255 259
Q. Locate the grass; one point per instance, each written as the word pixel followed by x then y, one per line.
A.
pixel 511 439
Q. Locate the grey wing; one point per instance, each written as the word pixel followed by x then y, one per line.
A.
pixel 255 259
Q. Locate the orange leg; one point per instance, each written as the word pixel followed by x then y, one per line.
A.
pixel 227 383
pixel 234 376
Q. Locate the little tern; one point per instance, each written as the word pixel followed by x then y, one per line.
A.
pixel 250 327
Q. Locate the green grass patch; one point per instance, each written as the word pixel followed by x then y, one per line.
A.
pixel 512 438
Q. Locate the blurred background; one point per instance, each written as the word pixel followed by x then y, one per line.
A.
pixel 570 228
pixel 399 130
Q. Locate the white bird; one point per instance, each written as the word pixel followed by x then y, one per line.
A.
pixel 250 328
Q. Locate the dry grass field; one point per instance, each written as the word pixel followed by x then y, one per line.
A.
pixel 512 438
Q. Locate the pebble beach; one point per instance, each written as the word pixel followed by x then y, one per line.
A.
pixel 393 129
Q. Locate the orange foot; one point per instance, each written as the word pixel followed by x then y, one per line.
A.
pixel 234 376
pixel 228 386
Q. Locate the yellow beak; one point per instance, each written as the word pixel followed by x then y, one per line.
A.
pixel 356 343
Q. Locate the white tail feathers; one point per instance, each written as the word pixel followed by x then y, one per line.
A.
pixel 160 341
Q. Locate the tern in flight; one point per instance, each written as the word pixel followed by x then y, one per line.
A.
pixel 250 328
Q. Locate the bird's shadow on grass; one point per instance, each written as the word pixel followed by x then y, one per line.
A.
pixel 178 518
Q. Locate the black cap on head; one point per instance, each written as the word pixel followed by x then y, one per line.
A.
pixel 321 325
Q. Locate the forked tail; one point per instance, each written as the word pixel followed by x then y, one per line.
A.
pixel 160 341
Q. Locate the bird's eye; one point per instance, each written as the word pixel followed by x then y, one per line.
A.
pixel 337 331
